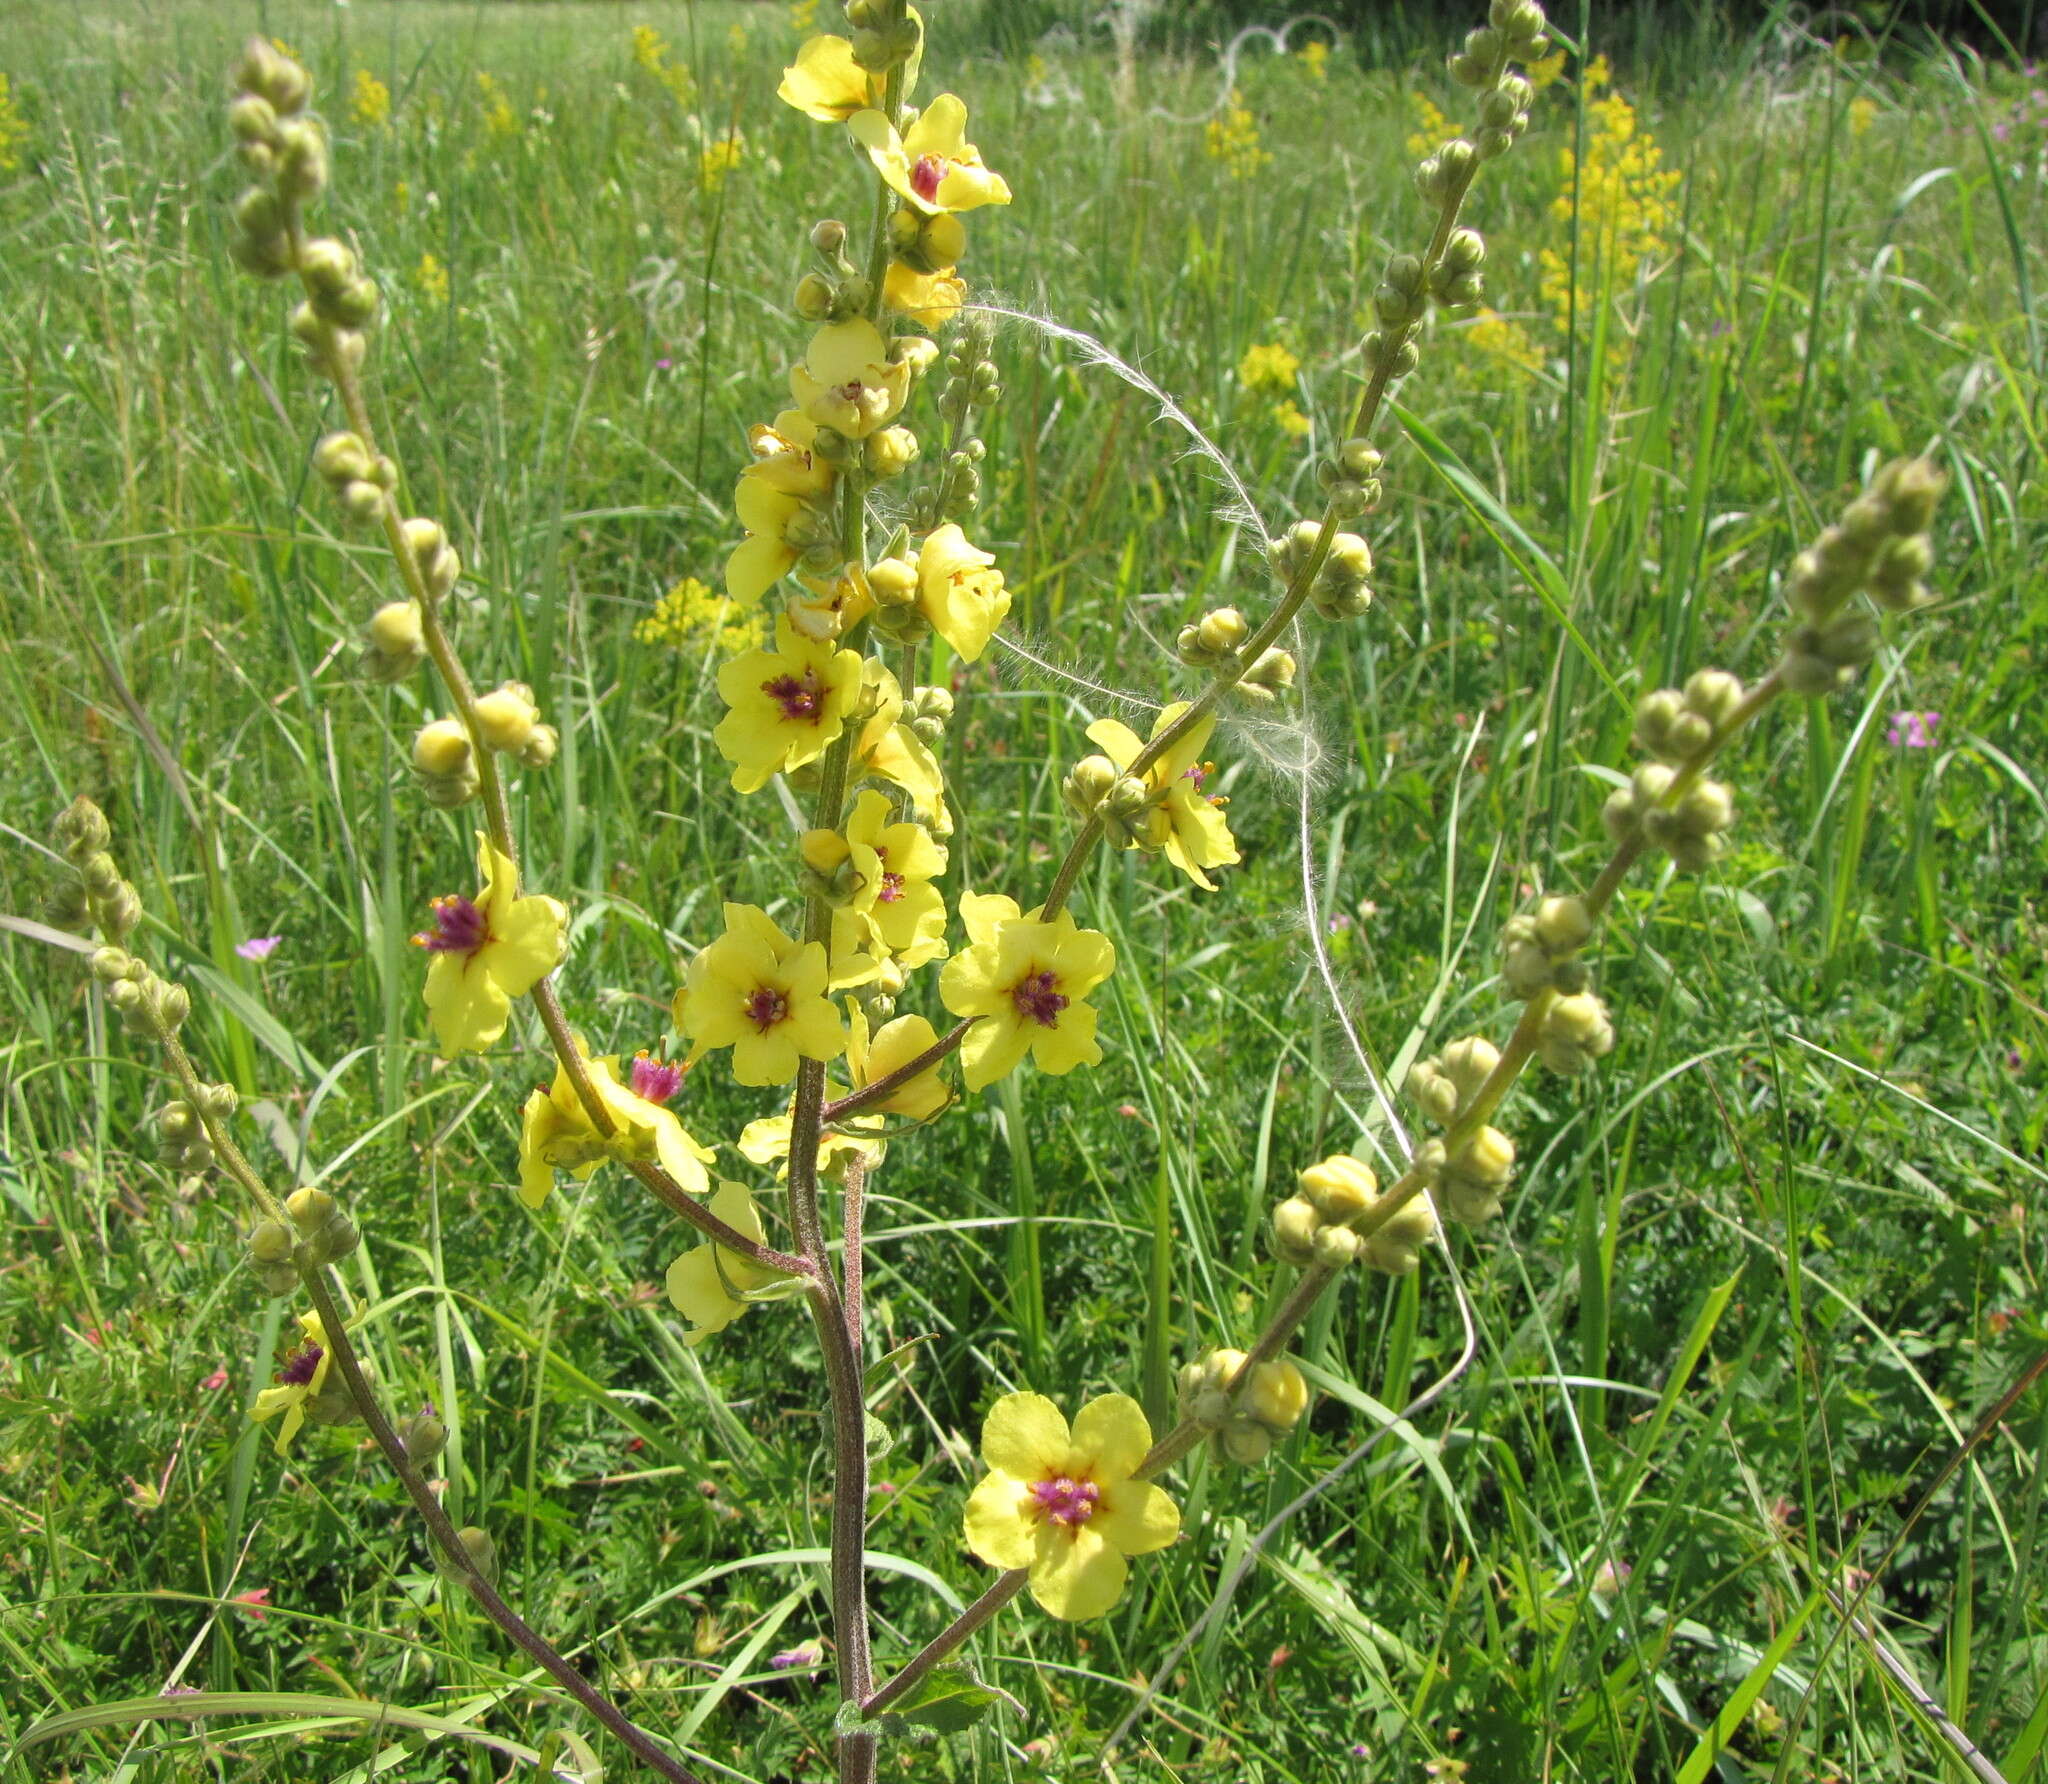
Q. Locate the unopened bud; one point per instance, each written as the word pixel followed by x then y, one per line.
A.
pixel 1295 1225
pixel 1341 1188
pixel 441 749
pixel 505 717
pixel 395 630
pixel 1088 784
pixel 423 1435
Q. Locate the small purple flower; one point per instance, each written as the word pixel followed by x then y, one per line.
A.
pixel 2001 131
pixel 1912 730
pixel 258 947
pixel 654 1080
pixel 179 1691
pixel 803 1654
pixel 662 365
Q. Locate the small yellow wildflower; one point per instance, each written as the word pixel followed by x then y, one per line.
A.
pixel 1065 1503
pixel 785 706
pixel 935 167
pixel 1292 421
pixel 1505 338
pixel 1269 368
pixel 1183 822
pixel 702 1282
pixel 803 15
pixel 736 37
pixel 1546 71
pixel 302 1379
pixel 692 617
pixel 431 279
pixel 650 49
pixel 13 129
pixel 369 104
pixel 848 381
pixel 557 1134
pixel 1431 127
pixel 1314 55
pixel 894 864
pixel 960 591
pixel 1233 139
pixel 487 953
pixel 499 117
pixel 825 82
pixel 1027 980
pixel 719 159
pixel 284 49
pixel 763 995
pixel 1862 114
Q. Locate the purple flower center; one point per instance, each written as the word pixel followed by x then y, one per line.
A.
pixel 1066 1500
pixel 765 1007
pixel 892 888
pixel 459 927
pixel 797 695
pixel 299 1366
pixel 654 1080
pixel 1038 999
pixel 926 175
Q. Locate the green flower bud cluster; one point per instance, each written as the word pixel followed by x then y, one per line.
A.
pixel 268 1253
pixel 1454 281
pixel 444 761
pixel 885 34
pixel 1317 1224
pixel 1468 1183
pixel 394 643
pixel 1124 805
pixel 440 566
pixel 1682 725
pixel 1574 1033
pixel 1443 1086
pixel 1689 829
pixel 1267 679
pixel 1879 547
pixel 957 492
pixel 423 1435
pixel 929 712
pixel 97 897
pixel 842 290
pixel 1399 301
pixel 1248 1419
pixel 314 1233
pixel 1214 640
pixel 1340 590
pixel 926 244
pixel 336 290
pixel 878 999
pixel 1539 948
pixel 508 721
pixel 181 1142
pixel 359 481
pixel 1350 478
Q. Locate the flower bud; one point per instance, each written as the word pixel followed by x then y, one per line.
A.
pixel 310 1208
pixel 423 1435
pixel 172 1004
pixel 1295 1226
pixel 505 718
pixel 270 1242
pixel 267 72
pixel 109 964
pixel 1276 1395
pixel 1525 963
pixel 82 831
pixel 342 458
pixel 253 119
pixel 1267 678
pixel 301 151
pixel 442 749
pixel 816 298
pixel 396 631
pixel 889 451
pixel 479 1552
pixel 1245 1443
pixel 119 912
pixel 1394 1247
pixel 1340 1188
pixel 918 352
pixel 538 751
pixel 1205 1386
pixel 829 238
pixel 1088 784
pixel 1575 1032
pixel 1563 924
pixel 1336 1246
pixel 1467 1064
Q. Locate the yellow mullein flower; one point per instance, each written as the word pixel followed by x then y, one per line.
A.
pixel 1268 368
pixel 763 995
pixel 846 380
pixel 1027 980
pixel 556 1132
pixel 303 1378
pixel 369 102
pixel 825 82
pixel 829 608
pixel 931 300
pixel 786 480
pixel 934 166
pixel 487 953
pixel 959 591
pixel 894 864
pixel 701 1283
pixel 887 749
pixel 1065 1503
pixel 787 705
pixel 1184 822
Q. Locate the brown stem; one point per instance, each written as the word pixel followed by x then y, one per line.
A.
pixel 852 1215
pixel 1005 1588
pixel 886 1086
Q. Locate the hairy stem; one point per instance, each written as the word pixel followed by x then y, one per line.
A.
pixel 882 1088
pixel 1006 1587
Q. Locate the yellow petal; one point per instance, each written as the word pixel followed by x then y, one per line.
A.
pixel 998 1521
pixel 1115 740
pixel 1135 1517
pixel 1112 1433
pixel 825 82
pixel 468 1010
pixel 1069 1042
pixel 695 1291
pixel 994 1049
pixel 1075 1573
pixel 1025 1435
pixel 679 1154
pixel 984 912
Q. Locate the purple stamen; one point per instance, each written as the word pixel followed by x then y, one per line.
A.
pixel 766 1007
pixel 299 1366
pixel 1066 1500
pixel 925 177
pixel 1037 999
pixel 797 696
pixel 459 927
pixel 892 888
pixel 654 1080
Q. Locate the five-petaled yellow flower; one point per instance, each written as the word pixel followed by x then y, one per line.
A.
pixel 848 381
pixel 302 1378
pixel 557 1134
pixel 763 995
pixel 1064 1503
pixel 787 705
pixel 934 165
pixel 825 82
pixel 1026 979
pixel 701 1283
pixel 487 953
pixel 894 865
pixel 960 591
pixel 1184 822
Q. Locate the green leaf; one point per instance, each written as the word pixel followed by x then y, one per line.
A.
pixel 949 1700
pixel 879 1370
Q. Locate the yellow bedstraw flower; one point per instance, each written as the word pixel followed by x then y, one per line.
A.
pixel 1184 822
pixel 960 591
pixel 763 995
pixel 1063 1503
pixel 825 82
pixel 931 300
pixel 556 1132
pixel 1027 980
pixel 1268 367
pixel 302 1378
pixel 487 953
pixel 701 1283
pixel 847 381
pixel 786 705
pixel 887 749
pixel 934 166
pixel 894 864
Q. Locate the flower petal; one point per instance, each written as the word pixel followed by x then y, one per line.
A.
pixel 1075 1573
pixel 998 1523
pixel 1136 1517
pixel 1112 1432
pixel 1025 1435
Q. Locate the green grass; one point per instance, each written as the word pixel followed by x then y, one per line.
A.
pixel 1758 1280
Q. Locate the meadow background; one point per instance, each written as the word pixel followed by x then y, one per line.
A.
pixel 1762 1273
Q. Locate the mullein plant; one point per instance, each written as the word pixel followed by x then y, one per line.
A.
pixel 852 558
